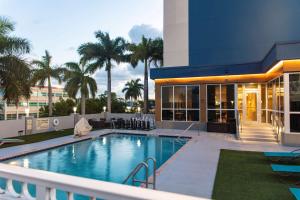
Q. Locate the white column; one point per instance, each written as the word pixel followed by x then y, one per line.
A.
pixel 176 25
pixel 286 80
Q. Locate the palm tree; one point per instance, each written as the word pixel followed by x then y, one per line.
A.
pixel 147 51
pixel 133 89
pixel 14 70
pixel 78 80
pixel 158 52
pixel 43 73
pixel 104 53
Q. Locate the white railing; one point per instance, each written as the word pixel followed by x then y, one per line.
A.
pixel 47 183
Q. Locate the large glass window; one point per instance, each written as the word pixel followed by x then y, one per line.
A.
pixel 181 103
pixel 295 92
pixel 294 102
pixel 220 103
pixel 167 97
pixel 213 96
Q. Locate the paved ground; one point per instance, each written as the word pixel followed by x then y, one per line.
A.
pixel 190 171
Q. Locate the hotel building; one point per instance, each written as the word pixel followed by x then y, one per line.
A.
pixel 38 99
pixel 229 60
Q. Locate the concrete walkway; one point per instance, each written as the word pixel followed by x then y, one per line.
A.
pixel 190 171
pixel 193 169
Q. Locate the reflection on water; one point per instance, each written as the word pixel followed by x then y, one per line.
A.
pixel 110 158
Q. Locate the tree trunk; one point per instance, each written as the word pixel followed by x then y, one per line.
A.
pixel 82 104
pixel 50 97
pixel 109 90
pixel 146 87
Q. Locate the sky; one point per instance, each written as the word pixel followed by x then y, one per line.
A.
pixel 61 26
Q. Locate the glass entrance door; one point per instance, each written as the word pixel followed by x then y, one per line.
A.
pixel 251 106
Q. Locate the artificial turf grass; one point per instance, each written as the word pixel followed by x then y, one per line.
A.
pixel 248 176
pixel 28 139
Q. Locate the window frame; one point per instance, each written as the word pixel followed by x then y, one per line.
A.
pixel 220 109
pixel 186 109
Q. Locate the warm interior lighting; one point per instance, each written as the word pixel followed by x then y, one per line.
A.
pixel 277 69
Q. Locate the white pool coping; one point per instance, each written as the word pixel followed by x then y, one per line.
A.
pixel 190 171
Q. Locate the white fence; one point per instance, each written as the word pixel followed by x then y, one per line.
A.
pixel 13 128
pixel 48 182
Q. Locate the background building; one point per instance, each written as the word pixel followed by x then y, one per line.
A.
pixel 38 99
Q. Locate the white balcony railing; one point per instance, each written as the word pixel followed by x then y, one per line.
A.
pixel 47 183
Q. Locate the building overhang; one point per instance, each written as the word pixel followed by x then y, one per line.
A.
pixel 282 57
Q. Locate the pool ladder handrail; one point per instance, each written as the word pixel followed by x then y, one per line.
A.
pixel 144 164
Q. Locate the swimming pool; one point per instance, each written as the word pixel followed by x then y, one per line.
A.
pixel 107 158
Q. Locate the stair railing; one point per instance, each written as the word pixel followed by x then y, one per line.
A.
pixel 277 126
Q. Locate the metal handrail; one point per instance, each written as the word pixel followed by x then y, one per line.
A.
pixel 144 164
pixel 277 126
pixel 239 127
pixel 186 130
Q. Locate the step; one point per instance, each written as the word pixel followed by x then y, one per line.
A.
pixel 258 139
pixel 258 136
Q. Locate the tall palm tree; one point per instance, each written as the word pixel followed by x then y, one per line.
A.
pixel 147 51
pixel 133 89
pixel 14 70
pixel 104 53
pixel 78 80
pixel 158 52
pixel 43 73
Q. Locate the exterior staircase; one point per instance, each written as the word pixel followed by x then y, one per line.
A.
pixel 258 132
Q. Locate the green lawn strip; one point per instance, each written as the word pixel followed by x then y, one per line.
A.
pixel 248 175
pixel 28 139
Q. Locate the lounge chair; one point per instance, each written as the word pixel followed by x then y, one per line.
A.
pixel 4 141
pixel 277 156
pixel 295 192
pixel 285 168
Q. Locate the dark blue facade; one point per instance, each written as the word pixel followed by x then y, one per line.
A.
pixel 232 37
pixel 223 32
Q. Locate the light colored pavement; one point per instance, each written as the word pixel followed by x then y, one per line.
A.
pixel 190 171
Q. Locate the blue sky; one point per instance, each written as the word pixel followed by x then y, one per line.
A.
pixel 60 26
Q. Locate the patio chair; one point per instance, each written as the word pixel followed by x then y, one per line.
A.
pixel 295 192
pixel 279 156
pixel 4 141
pixel 285 170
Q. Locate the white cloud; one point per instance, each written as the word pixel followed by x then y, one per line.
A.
pixel 137 31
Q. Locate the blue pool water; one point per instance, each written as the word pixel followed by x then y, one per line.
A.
pixel 108 158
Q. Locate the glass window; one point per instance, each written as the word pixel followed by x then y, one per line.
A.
pixel 263 96
pixel 281 94
pixel 213 115
pixel 227 96
pixel 193 115
pixel 240 97
pixel 294 92
pixel 263 116
pixel 183 106
pixel 213 96
pixel 294 122
pixel 179 97
pixel 270 96
pixel 180 115
pixel 193 97
pixel 227 115
pixel 167 115
pixel 167 97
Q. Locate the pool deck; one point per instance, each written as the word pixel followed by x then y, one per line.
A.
pixel 190 171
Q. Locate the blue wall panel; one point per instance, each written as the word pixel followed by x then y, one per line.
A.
pixel 226 32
